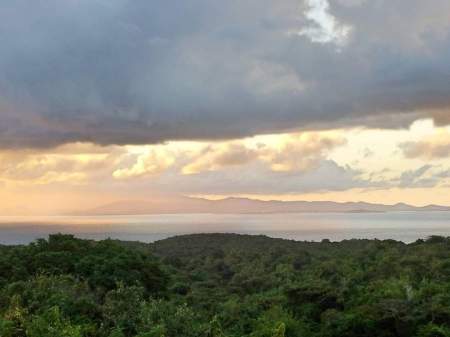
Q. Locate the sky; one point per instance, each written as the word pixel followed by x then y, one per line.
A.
pixel 107 100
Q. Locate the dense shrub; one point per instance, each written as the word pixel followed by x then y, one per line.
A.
pixel 225 285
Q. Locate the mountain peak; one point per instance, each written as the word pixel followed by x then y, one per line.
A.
pixel 243 205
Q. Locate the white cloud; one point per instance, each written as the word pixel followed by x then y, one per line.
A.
pixel 325 27
pixel 286 153
pixel 153 162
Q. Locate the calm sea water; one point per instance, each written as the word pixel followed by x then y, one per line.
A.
pixel 403 226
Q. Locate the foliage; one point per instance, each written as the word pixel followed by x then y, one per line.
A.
pixel 225 285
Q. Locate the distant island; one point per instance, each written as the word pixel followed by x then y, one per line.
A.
pixel 248 206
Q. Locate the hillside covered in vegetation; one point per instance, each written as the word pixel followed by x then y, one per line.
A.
pixel 225 285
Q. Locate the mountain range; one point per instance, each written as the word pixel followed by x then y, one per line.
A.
pixel 245 205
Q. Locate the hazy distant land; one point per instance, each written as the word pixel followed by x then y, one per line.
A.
pixel 247 206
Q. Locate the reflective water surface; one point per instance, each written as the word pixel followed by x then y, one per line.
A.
pixel 403 226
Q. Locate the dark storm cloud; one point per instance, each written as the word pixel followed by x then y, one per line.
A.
pixel 144 71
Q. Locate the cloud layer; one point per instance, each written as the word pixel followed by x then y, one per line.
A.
pixel 435 147
pixel 139 71
pixel 340 165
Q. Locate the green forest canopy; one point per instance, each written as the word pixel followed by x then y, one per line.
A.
pixel 225 285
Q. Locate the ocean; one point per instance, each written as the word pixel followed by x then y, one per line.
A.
pixel 402 226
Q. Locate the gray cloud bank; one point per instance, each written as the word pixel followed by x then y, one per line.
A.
pixel 145 71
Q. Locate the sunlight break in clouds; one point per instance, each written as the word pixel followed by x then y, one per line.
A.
pixel 326 28
pixel 128 99
pixel 342 164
